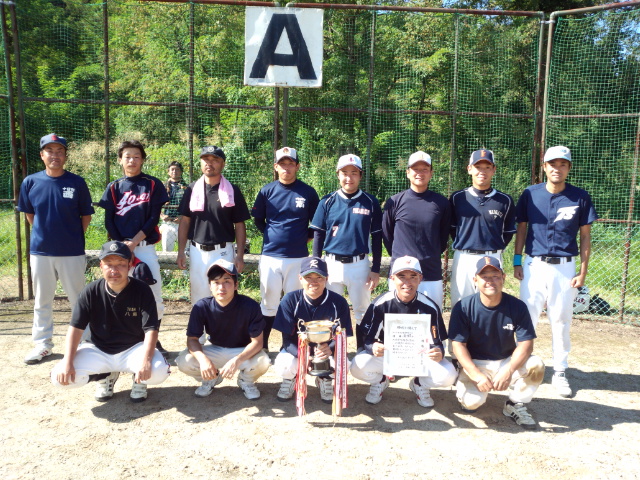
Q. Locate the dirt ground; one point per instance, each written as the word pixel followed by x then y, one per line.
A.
pixel 56 434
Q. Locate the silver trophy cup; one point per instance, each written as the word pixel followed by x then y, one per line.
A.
pixel 319 331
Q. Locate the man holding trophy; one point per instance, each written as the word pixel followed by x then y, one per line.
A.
pixel 312 315
pixel 417 311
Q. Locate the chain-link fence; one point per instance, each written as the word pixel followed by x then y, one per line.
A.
pixel 395 80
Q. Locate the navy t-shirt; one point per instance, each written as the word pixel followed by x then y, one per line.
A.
pixel 231 326
pixel 118 321
pixel 287 211
pixel 490 332
pixel 296 306
pixel 417 224
pixel 554 219
pixel 57 203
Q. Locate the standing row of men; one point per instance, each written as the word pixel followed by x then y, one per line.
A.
pixel 348 225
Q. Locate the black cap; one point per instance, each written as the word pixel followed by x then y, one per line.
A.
pixel 313 265
pixel 213 150
pixel 115 248
pixel 485 262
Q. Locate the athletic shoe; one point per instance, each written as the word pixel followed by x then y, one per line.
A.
pixel 206 388
pixel 249 389
pixel 561 384
pixel 518 412
pixel 138 391
pixel 38 353
pixel 104 389
pixel 325 384
pixel 375 391
pixel 287 388
pixel 422 394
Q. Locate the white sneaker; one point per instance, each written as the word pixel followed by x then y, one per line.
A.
pixel 104 389
pixel 422 394
pixel 138 391
pixel 38 353
pixel 518 412
pixel 325 384
pixel 561 384
pixel 375 391
pixel 287 388
pixel 249 389
pixel 206 388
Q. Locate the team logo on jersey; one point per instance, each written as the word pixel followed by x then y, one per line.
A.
pixel 361 211
pixel 300 202
pixel 129 201
pixel 508 326
pixel 496 213
pixel 566 213
pixel 131 312
pixel 67 192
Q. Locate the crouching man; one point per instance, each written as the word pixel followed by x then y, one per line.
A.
pixel 234 324
pixel 484 329
pixel 123 317
pixel 406 276
pixel 313 302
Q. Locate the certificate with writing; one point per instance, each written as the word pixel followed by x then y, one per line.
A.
pixel 406 344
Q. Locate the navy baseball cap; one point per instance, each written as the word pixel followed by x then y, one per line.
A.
pixel 481 155
pixel 313 265
pixel 53 138
pixel 115 248
pixel 485 262
pixel 213 150
pixel 225 266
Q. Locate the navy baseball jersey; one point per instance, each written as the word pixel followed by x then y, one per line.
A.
pixel 133 204
pixel 231 326
pixel 282 213
pixel 348 222
pixel 175 190
pixel 554 219
pixel 57 204
pixel 417 224
pixel 215 224
pixel 118 320
pixel 297 306
pixel 490 332
pixel 388 302
pixel 482 222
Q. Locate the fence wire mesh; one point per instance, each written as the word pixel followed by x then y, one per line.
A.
pixel 171 75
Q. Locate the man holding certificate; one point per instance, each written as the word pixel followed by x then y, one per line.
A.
pixel 415 332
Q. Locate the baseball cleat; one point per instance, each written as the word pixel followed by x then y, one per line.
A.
pixel 375 391
pixel 104 389
pixel 249 389
pixel 38 353
pixel 519 414
pixel 561 384
pixel 206 388
pixel 422 394
pixel 138 392
pixel 287 388
pixel 325 385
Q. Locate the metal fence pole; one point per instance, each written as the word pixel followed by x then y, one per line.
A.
pixel 537 109
pixel 285 117
pixel 372 64
pixel 191 87
pixel 107 119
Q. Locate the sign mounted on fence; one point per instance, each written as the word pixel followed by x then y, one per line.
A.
pixel 283 47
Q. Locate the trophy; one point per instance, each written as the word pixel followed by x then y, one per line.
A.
pixel 319 331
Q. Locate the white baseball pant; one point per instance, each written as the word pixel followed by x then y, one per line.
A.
pixel 368 368
pixel 286 365
pixel 46 271
pixel 147 254
pixel 525 381
pixel 550 283
pixel 277 275
pixel 249 370
pixel 169 231
pixel 90 360
pixel 463 271
pixel 432 289
pixel 353 276
pixel 199 262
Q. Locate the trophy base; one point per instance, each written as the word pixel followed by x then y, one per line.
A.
pixel 321 369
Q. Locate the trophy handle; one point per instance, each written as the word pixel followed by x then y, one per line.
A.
pixel 334 328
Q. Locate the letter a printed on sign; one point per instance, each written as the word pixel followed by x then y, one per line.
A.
pixel 283 47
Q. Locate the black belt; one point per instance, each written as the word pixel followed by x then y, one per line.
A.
pixel 347 259
pixel 208 248
pixel 554 260
pixel 481 252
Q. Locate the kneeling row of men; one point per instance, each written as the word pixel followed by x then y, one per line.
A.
pixel 491 333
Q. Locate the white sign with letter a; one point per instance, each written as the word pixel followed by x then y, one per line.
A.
pixel 283 47
pixel 407 341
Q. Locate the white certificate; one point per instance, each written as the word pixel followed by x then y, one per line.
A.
pixel 407 341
